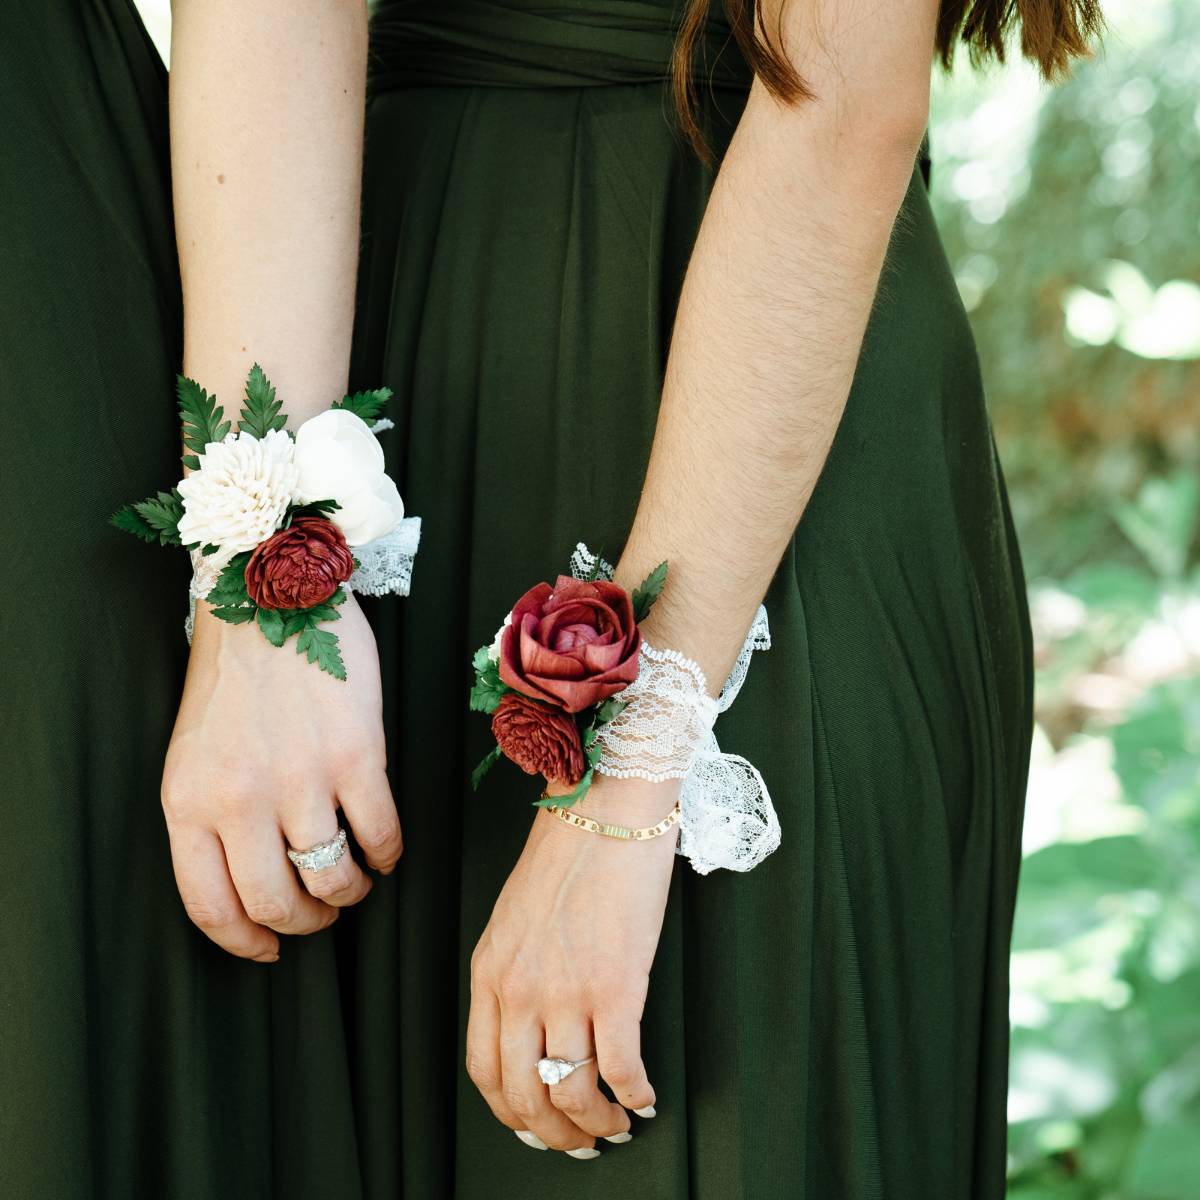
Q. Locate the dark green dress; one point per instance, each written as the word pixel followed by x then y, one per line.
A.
pixel 831 1026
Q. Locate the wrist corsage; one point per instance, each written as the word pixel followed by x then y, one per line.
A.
pixel 574 690
pixel 282 525
pixel 552 677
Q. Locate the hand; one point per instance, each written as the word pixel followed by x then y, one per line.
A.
pixel 563 970
pixel 265 749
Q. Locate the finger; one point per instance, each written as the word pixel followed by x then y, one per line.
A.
pixel 619 1057
pixel 483 1055
pixel 578 1097
pixel 209 897
pixel 522 1043
pixel 271 894
pixel 366 799
pixel 315 823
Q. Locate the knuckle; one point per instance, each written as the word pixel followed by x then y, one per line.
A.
pixel 267 910
pixel 619 1072
pixel 354 755
pixel 515 989
pixel 481 1072
pixel 380 833
pixel 568 1101
pixel 327 884
pixel 520 1103
pixel 207 915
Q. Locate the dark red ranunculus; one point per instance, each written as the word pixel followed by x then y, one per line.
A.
pixel 299 566
pixel 539 739
pixel 572 645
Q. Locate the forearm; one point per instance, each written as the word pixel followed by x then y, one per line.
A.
pixel 768 332
pixel 267 100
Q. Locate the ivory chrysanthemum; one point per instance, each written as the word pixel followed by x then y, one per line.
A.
pixel 239 495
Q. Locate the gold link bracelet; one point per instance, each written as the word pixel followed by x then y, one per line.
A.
pixel 621 832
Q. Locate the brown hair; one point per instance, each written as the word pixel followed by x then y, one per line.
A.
pixel 1053 32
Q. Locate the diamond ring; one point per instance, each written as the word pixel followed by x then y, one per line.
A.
pixel 322 856
pixel 555 1070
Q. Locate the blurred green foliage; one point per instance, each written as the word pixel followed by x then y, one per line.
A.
pixel 1071 217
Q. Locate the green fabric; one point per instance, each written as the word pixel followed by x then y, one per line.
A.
pixel 832 1025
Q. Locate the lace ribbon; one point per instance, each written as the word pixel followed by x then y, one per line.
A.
pixel 384 568
pixel 666 732
pixel 385 565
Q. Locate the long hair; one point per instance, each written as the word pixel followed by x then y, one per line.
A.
pixel 1053 32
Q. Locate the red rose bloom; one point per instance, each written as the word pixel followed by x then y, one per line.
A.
pixel 540 740
pixel 300 566
pixel 572 645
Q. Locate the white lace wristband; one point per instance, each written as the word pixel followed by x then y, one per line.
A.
pixel 666 732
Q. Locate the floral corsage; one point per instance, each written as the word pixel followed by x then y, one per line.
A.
pixel 279 523
pixel 552 676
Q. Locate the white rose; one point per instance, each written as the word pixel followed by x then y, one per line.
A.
pixel 494 648
pixel 238 496
pixel 339 458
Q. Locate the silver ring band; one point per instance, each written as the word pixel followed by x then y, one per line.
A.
pixel 322 856
pixel 555 1070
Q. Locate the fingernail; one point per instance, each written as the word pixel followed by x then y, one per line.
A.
pixel 266 958
pixel 619 1139
pixel 648 1111
pixel 584 1153
pixel 530 1139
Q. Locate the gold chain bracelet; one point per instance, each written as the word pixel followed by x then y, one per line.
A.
pixel 622 832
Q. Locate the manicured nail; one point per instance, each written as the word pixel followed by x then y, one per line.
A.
pixel 648 1111
pixel 530 1138
pixel 584 1153
pixel 619 1139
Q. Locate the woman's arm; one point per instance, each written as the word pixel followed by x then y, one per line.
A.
pixel 767 336
pixel 772 315
pixel 267 101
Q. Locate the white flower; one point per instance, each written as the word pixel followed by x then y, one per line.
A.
pixel 240 493
pixel 339 458
pixel 494 648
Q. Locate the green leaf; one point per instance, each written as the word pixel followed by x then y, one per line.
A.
pixel 608 710
pixel 270 621
pixel 368 405
pixel 321 647
pixel 488 761
pixel 235 614
pixel 191 462
pixel 163 513
pixel 203 421
pixel 489 689
pixel 130 520
pixel 294 620
pixel 230 588
pixel 572 798
pixel 482 659
pixel 262 412
pixel 318 508
pixel 649 591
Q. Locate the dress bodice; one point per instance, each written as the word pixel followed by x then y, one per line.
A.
pixel 524 43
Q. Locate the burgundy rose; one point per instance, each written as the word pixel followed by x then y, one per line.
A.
pixel 540 740
pixel 299 566
pixel 572 645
